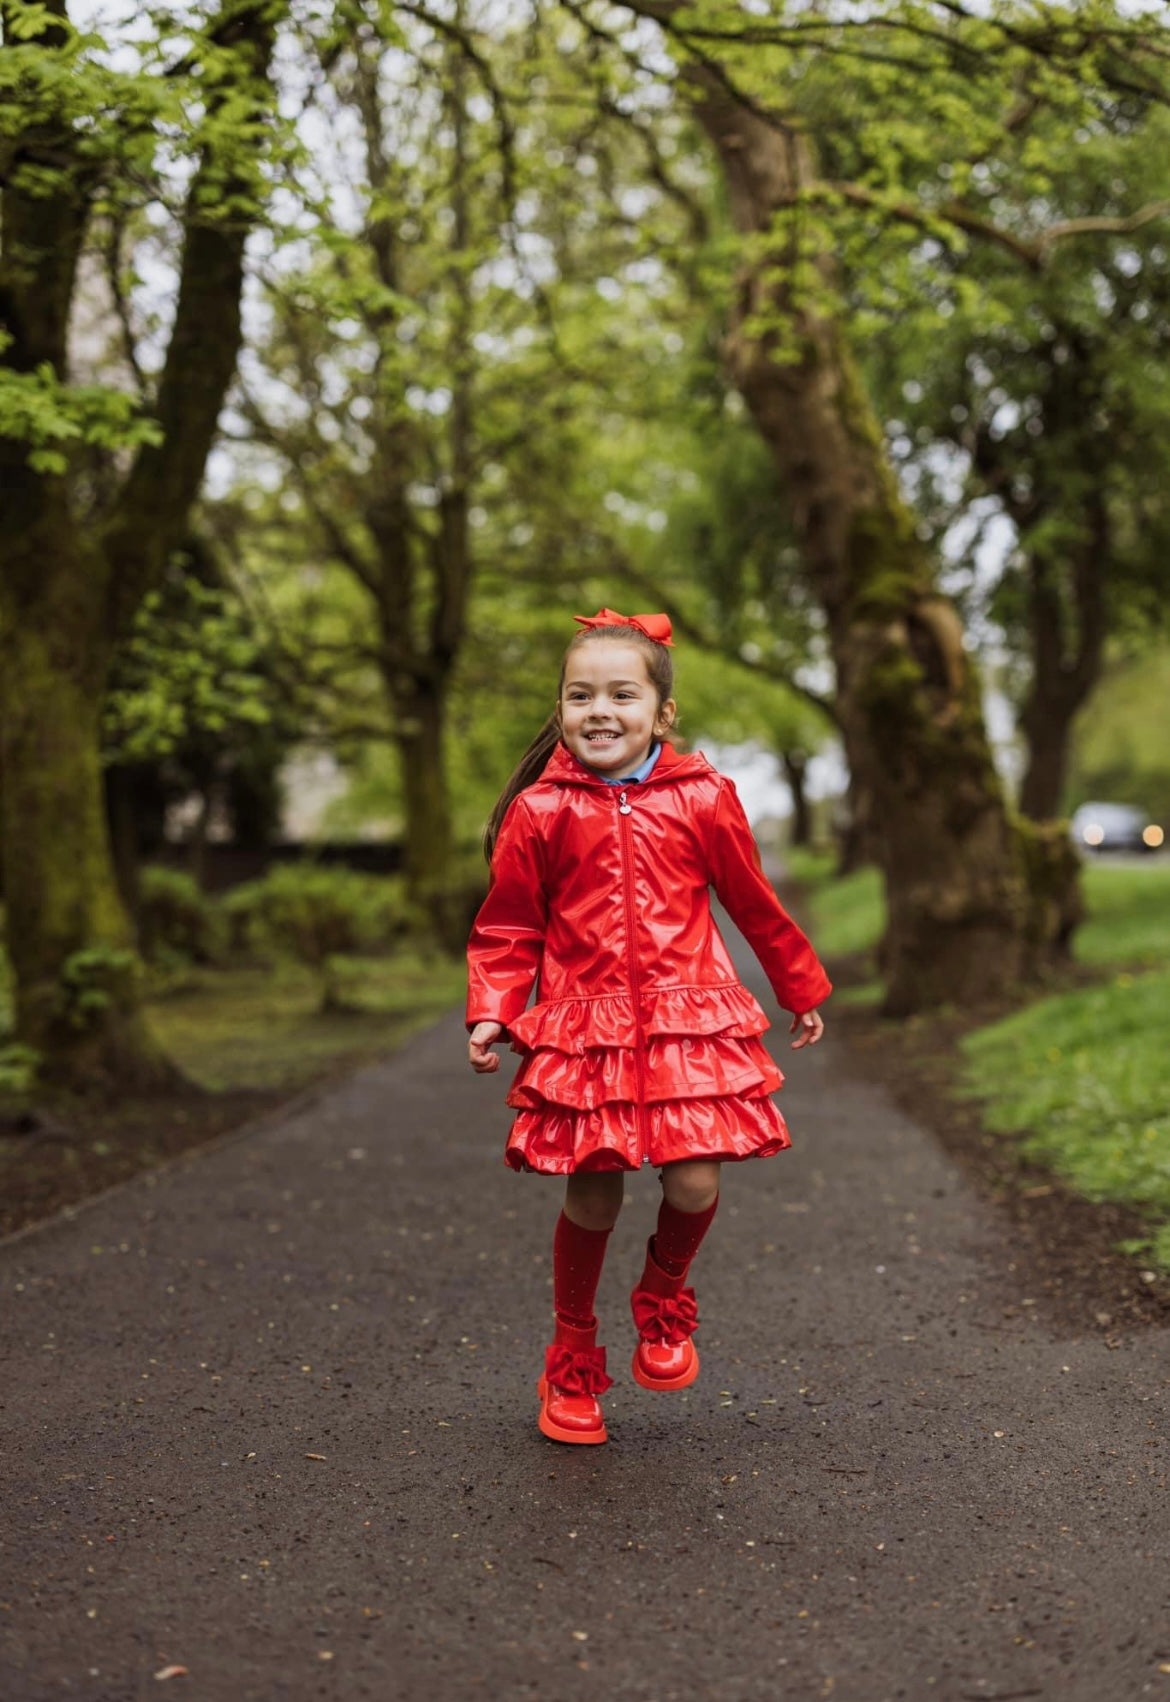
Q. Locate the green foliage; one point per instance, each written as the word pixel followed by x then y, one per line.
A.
pixel 1083 1078
pixel 1128 915
pixel 547 364
pixel 19 1067
pixel 176 919
pixel 1121 747
pixel 264 1028
pixel 191 673
pixel 846 914
pixel 316 914
pixel 94 980
pixel 1021 370
pixel 106 120
pixel 48 415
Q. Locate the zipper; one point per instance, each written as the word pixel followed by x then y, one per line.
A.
pixel 625 834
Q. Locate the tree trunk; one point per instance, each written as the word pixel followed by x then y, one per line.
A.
pixel 857 841
pixel 420 735
pixel 71 946
pixel 1046 721
pixel 1066 619
pixel 123 829
pixel 908 701
pixel 795 767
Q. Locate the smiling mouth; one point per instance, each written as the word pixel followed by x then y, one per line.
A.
pixel 602 738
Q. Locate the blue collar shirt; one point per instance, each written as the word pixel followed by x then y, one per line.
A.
pixel 640 773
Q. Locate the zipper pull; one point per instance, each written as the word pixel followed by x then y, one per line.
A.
pixel 624 808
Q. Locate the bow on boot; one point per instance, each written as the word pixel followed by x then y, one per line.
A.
pixel 574 1377
pixel 669 1318
pixel 666 1316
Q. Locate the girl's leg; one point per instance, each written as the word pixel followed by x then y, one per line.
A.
pixel 593 1198
pixel 592 1203
pixel 690 1195
pixel 664 1309
pixel 574 1375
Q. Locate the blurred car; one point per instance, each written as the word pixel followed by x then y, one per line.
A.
pixel 1115 827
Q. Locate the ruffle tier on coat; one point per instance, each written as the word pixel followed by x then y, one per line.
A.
pixel 588 1097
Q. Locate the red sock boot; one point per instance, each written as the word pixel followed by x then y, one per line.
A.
pixel 574 1377
pixel 664 1311
pixel 574 1366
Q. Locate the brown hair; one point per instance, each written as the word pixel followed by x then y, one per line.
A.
pixel 659 667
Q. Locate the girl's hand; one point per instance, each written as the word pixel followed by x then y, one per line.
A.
pixel 484 1035
pixel 811 1028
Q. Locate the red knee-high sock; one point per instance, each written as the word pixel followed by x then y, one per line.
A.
pixel 679 1235
pixel 578 1255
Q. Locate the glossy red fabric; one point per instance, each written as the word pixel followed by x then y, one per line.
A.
pixel 642 1044
pixel 668 1318
pixel 577 1371
pixel 656 627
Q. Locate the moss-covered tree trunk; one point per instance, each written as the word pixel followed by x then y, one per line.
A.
pixel 70 943
pixel 908 700
pixel 70 580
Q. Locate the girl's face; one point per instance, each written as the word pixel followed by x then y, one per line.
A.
pixel 610 715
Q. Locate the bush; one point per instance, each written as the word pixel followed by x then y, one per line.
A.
pixel 316 915
pixel 451 904
pixel 6 990
pixel 18 1069
pixel 176 919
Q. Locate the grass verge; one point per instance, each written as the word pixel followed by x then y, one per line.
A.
pixel 846 916
pixel 1078 1080
pixel 261 1028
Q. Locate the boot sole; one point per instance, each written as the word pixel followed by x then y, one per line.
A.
pixel 557 1433
pixel 682 1382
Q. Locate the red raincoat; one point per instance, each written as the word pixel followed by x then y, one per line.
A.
pixel 642 1045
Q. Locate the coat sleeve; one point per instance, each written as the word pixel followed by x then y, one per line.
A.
pixel 507 938
pixel 798 979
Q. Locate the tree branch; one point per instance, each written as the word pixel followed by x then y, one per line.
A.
pixel 151 511
pixel 113 259
pixel 1033 254
pixel 1102 226
pixel 704 639
pixel 505 129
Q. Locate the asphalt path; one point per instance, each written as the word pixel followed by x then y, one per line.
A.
pixel 269 1416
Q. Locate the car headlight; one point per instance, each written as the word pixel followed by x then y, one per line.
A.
pixel 1152 836
pixel 1092 833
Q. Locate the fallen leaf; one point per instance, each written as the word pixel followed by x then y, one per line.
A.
pixel 171 1672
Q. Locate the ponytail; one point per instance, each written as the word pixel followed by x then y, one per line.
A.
pixel 527 770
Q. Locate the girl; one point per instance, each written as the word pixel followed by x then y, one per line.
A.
pixel 642 1047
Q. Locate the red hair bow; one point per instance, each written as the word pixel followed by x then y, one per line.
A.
pixel 656 627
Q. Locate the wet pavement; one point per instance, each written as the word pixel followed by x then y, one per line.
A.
pixel 269 1416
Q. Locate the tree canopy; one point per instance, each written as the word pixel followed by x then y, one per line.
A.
pixel 443 324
